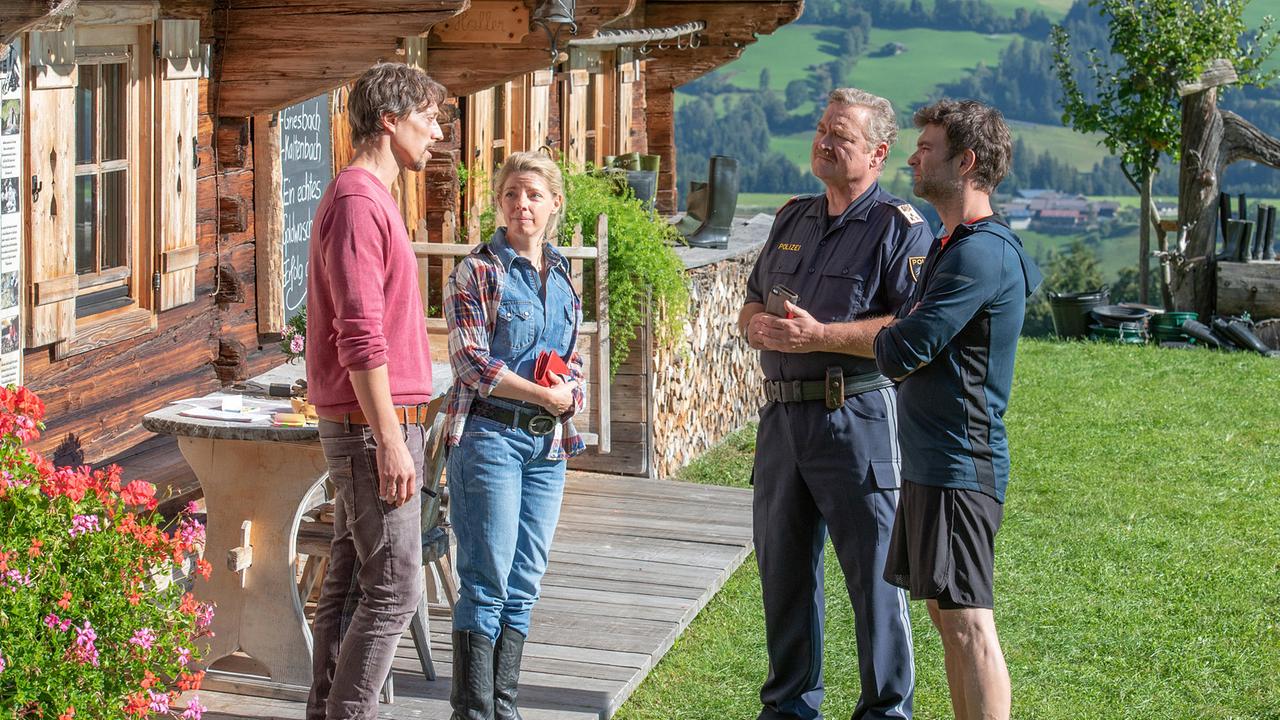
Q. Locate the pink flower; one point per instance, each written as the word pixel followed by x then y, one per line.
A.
pixel 53 622
pixel 2 662
pixel 184 656
pixel 297 344
pixel 159 701
pixel 82 524
pixel 143 638
pixel 194 709
pixel 190 531
pixel 84 651
pixel 204 616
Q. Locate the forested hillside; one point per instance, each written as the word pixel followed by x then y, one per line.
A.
pixel 762 108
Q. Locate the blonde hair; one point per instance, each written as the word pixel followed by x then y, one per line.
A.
pixel 545 168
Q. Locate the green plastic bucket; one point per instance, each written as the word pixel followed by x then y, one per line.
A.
pixel 1171 320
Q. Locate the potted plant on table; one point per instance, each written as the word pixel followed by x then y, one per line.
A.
pixel 92 624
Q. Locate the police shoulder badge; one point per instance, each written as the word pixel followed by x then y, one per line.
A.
pixel 914 264
pixel 909 213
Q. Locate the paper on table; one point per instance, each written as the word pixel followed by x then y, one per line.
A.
pixel 251 405
pixel 215 414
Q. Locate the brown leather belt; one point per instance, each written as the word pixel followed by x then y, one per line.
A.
pixel 405 415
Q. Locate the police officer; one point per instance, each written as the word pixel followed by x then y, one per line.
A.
pixel 827 454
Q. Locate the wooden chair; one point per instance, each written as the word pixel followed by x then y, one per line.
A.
pixel 315 536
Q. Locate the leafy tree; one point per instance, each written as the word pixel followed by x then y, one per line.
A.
pixel 798 92
pixel 764 78
pixel 1155 46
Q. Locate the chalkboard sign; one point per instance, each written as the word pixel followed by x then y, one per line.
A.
pixel 306 167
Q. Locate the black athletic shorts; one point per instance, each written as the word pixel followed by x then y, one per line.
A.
pixel 943 545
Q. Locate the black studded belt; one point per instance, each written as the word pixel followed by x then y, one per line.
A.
pixel 534 422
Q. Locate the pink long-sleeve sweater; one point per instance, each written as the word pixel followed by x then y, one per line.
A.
pixel 363 306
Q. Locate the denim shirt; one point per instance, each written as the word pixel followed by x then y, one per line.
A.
pixel 500 318
pixel 529 322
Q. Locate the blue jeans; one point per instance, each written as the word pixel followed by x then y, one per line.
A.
pixel 504 501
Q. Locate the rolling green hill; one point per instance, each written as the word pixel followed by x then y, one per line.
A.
pixel 932 57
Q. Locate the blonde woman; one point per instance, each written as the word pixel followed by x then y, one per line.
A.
pixel 508 303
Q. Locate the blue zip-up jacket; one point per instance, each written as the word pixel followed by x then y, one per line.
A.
pixel 952 349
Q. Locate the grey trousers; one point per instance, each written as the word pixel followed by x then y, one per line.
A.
pixel 374 580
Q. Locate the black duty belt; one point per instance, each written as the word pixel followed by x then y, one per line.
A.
pixel 534 422
pixel 833 390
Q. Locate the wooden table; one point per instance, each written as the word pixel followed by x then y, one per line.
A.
pixel 256 478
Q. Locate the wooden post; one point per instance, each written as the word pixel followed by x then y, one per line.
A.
pixel 603 379
pixel 268 206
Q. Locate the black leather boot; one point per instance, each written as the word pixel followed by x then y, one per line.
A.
pixel 506 674
pixel 722 183
pixel 696 208
pixel 472 692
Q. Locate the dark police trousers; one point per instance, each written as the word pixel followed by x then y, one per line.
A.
pixel 818 471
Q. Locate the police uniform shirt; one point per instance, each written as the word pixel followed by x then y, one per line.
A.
pixel 863 263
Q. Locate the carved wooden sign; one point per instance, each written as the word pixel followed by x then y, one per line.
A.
pixel 487 21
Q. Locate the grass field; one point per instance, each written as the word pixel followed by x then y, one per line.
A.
pixel 796 43
pixel 1136 571
pixel 932 57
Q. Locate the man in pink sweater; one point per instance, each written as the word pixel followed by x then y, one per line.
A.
pixel 369 375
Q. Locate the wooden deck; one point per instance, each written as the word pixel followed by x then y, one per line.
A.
pixel 632 563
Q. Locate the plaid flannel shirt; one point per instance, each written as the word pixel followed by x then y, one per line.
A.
pixel 471 299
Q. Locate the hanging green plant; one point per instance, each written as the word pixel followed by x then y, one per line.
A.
pixel 643 267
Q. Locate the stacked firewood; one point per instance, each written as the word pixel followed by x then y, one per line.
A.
pixel 708 384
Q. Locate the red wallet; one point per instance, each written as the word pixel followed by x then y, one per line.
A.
pixel 549 363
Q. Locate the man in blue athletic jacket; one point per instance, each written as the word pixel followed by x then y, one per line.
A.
pixel 951 349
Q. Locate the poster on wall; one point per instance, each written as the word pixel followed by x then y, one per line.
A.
pixel 306 167
pixel 10 213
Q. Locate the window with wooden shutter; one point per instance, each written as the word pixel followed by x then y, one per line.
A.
pixel 111 145
pixel 626 78
pixel 51 150
pixel 177 108
pixel 573 117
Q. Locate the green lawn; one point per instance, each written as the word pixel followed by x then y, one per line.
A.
pixel 1136 573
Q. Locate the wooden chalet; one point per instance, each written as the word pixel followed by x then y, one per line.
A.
pixel 161 212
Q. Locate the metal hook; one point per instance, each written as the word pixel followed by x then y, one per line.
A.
pixel 644 49
pixel 680 45
pixel 696 40
pixel 662 44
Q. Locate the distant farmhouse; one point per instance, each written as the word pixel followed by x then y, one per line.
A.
pixel 1051 211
